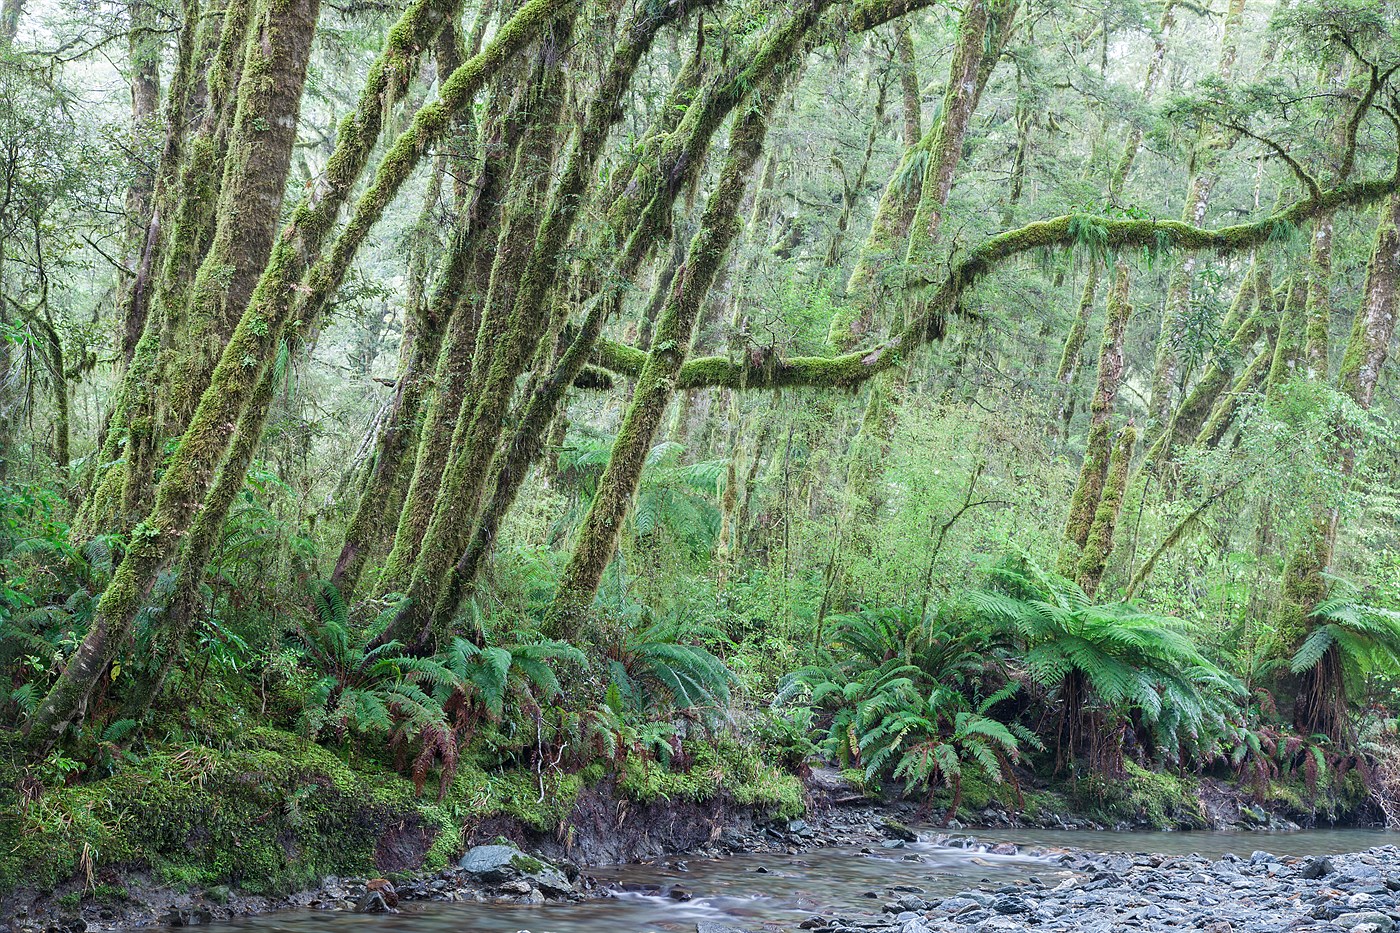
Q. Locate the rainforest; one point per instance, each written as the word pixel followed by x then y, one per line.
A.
pixel 452 448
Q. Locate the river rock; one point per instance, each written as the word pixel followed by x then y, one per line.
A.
pixel 374 902
pixel 897 830
pixel 495 864
pixel 1365 918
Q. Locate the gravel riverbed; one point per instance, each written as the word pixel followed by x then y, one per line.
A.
pixel 1109 892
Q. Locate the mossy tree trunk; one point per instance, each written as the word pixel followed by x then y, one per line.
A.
pixel 525 442
pixel 1250 315
pixel 1098 545
pixel 144 53
pixel 1152 80
pixel 1321 703
pixel 460 292
pixel 193 466
pixel 181 229
pixel 719 225
pixel 427 370
pixel 255 168
pixel 1094 470
pixel 509 336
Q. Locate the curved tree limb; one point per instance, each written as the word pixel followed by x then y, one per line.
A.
pixel 758 371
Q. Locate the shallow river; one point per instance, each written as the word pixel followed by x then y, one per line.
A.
pixel 732 891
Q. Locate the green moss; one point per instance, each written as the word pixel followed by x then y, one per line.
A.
pixel 110 893
pixel 272 814
pixel 720 767
pixel 1162 800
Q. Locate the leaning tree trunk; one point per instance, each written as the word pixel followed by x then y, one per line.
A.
pixel 1094 469
pixel 510 334
pixel 1321 705
pixel 193 465
pixel 1067 373
pixel 664 171
pixel 435 372
pixel 719 225
pixel 1249 317
pixel 182 225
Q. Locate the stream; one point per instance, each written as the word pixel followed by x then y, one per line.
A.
pixel 775 892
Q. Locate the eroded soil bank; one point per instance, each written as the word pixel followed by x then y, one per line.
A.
pixel 603 827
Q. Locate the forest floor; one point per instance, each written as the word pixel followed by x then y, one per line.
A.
pixel 604 829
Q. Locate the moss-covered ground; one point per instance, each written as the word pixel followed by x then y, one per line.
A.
pixel 270 812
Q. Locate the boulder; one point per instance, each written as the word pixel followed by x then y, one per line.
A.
pixel 374 902
pixel 385 887
pixel 496 864
pixel 897 830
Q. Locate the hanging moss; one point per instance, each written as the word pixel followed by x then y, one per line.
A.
pixel 852 368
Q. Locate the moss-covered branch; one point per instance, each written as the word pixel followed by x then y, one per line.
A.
pixel 1064 232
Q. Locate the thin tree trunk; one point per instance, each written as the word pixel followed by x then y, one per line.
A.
pixel 1092 473
pixel 1067 374
pixel 1156 69
pixel 143 48
pixel 719 225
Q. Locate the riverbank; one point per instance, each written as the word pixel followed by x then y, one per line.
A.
pixel 540 871
pixel 275 823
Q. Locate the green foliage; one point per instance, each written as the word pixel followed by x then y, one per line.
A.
pixel 675 500
pixel 360 686
pixel 1132 662
pixel 659 669
pixel 933 740
pixel 1367 636
pixel 901 702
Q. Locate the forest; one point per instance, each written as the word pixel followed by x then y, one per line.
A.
pixel 453 408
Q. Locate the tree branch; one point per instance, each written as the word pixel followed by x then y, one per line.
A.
pixel 762 371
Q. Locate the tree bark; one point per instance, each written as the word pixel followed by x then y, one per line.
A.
pixel 719 225
pixel 1092 473
pixel 204 446
pixel 1098 545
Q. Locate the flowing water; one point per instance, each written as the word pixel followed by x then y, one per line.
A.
pixel 735 892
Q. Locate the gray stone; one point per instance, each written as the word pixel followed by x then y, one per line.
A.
pixel 1316 867
pixel 373 902
pixel 897 830
pixel 498 863
pixel 1354 921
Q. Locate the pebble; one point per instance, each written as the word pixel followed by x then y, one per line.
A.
pixel 1115 892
